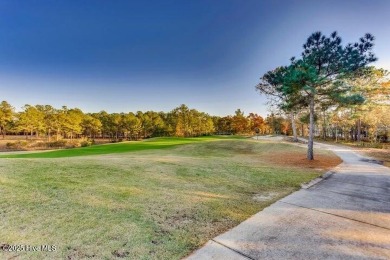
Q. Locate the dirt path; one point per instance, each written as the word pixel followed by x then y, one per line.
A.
pixel 346 216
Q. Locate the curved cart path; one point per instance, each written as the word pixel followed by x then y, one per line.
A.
pixel 346 216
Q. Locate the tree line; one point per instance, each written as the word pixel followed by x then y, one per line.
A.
pixel 332 89
pixel 45 121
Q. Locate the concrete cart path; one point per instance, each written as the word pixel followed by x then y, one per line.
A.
pixel 346 216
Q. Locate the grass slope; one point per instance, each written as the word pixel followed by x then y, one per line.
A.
pixel 123 147
pixel 152 204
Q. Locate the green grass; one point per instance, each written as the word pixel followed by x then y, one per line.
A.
pixel 123 147
pixel 150 204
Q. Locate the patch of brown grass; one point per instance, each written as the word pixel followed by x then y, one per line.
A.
pixel 322 161
pixel 379 154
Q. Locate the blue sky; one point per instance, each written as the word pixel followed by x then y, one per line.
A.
pixel 122 56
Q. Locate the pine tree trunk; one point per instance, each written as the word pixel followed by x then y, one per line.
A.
pixel 310 152
pixel 294 128
pixel 324 126
pixel 359 125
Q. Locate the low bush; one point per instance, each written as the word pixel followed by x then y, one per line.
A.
pixel 57 144
pixel 39 145
pixel 17 145
pixel 86 143
pixel 73 143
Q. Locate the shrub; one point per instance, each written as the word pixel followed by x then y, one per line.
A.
pixel 10 145
pixel 16 145
pixel 377 145
pixel 57 144
pixel 39 144
pixel 86 143
pixel 73 143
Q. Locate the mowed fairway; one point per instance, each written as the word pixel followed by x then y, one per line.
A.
pixel 144 203
pixel 122 147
